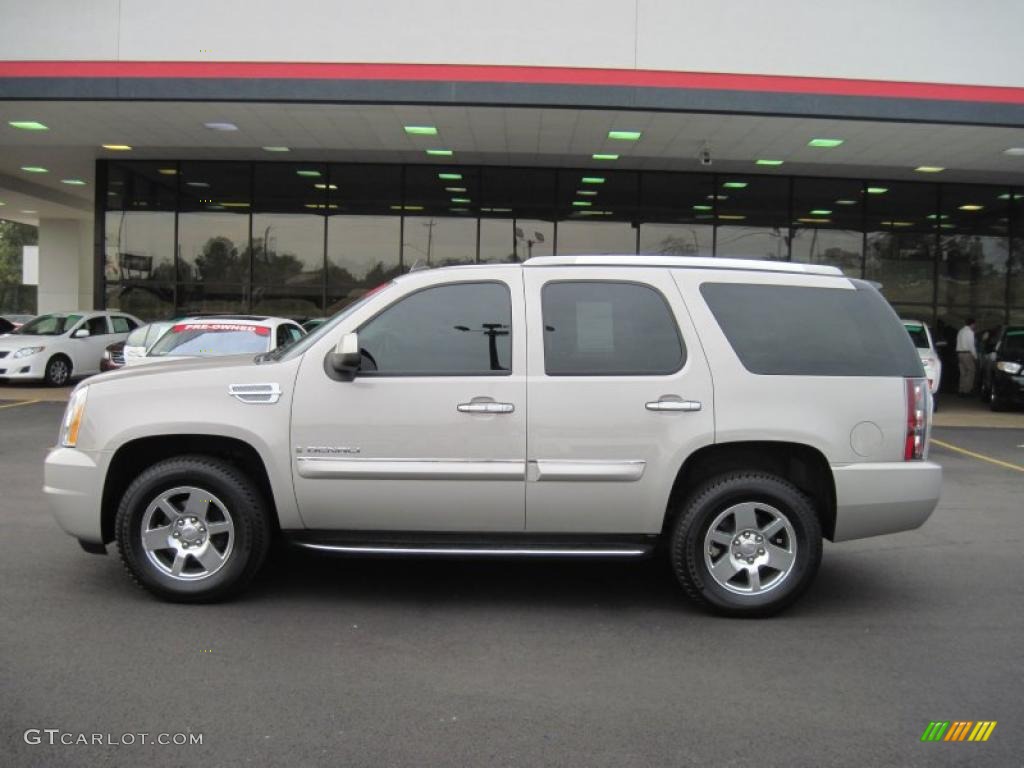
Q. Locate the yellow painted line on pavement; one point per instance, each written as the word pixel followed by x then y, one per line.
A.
pixel 20 402
pixel 979 456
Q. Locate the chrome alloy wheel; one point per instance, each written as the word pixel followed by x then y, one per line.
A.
pixel 187 533
pixel 750 548
pixel 59 372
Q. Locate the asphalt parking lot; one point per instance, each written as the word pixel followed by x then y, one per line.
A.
pixel 423 663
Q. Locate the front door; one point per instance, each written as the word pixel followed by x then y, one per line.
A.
pixel 431 433
pixel 620 394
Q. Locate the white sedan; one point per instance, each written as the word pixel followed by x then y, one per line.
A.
pixel 59 345
pixel 921 335
pixel 212 336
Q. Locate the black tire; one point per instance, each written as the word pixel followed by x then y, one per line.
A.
pixel 58 371
pixel 712 499
pixel 249 515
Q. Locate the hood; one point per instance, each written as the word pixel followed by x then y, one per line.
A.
pixel 169 365
pixel 10 341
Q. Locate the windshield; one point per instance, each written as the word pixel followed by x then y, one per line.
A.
pixel 137 338
pixel 292 350
pixel 918 335
pixel 212 339
pixel 1013 343
pixel 49 325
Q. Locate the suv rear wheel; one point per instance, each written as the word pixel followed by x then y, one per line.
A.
pixel 746 543
pixel 193 529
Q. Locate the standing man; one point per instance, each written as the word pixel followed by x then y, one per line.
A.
pixel 968 356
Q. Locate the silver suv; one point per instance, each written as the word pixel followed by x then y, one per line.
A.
pixel 737 412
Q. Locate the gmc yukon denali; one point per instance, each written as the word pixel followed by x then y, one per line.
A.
pixel 735 412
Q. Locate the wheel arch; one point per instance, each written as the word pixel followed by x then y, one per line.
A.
pixel 136 455
pixel 804 466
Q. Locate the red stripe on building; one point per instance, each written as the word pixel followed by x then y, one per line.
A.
pixel 475 73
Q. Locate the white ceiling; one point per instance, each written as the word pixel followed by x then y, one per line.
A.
pixel 484 135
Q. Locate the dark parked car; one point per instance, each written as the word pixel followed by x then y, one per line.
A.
pixel 1007 386
pixel 113 357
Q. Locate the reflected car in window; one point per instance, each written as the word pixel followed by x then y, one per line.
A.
pixel 216 336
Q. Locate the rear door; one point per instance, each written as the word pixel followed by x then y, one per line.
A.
pixel 89 351
pixel 619 394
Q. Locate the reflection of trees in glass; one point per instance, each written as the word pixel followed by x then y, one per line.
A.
pixel 973 269
pixel 273 268
pixel 218 261
pixel 674 245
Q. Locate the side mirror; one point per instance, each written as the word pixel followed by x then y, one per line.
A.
pixel 81 333
pixel 345 357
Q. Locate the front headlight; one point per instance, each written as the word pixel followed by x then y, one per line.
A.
pixel 1011 368
pixel 73 418
pixel 26 351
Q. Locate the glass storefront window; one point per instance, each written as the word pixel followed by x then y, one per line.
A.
pixel 440 209
pixel 148 301
pixel 678 216
pixel 602 222
pixel 900 239
pixel 973 246
pixel 752 215
pixel 1016 277
pixel 516 214
pixel 141 199
pixel 213 228
pixel 827 223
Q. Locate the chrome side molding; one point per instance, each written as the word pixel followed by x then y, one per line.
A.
pixel 317 467
pixel 627 471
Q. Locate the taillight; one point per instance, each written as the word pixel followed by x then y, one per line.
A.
pixel 918 413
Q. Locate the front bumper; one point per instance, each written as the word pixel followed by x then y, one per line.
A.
pixel 873 499
pixel 73 484
pixel 1008 388
pixel 23 368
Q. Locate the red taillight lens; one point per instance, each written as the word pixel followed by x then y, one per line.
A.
pixel 918 413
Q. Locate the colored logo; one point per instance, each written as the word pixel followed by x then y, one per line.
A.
pixel 958 730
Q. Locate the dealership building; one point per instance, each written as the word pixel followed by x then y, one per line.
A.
pixel 206 157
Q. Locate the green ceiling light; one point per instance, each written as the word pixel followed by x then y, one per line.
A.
pixel 592 180
pixel 936 216
pixel 702 208
pixel 277 149
pixel 73 182
pixel 846 202
pixel 454 189
pixel 731 217
pixel 308 173
pixel 421 130
pixel 1015 196
pixel 582 203
pixel 450 176
pixel 768 162
pixel 586 192
pixel 461 200
pixel 735 185
pixel 439 152
pixel 625 135
pixel 825 143
pixel 34 169
pixel 167 171
pixel 877 190
pixel 971 207
pixel 325 186
pixel 821 212
pixel 27 125
pixel 929 169
pixel 717 197
pixel 604 156
pixel 117 147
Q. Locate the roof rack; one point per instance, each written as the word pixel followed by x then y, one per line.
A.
pixel 682 262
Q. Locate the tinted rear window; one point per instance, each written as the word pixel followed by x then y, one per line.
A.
pixel 810 331
pixel 210 339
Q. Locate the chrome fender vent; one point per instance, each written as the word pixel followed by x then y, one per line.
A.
pixel 257 394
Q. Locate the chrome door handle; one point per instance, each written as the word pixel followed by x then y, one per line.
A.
pixel 674 405
pixel 485 407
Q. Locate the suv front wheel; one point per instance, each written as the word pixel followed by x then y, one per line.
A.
pixel 746 543
pixel 193 529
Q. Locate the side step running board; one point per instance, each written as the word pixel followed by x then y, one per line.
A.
pixel 434 545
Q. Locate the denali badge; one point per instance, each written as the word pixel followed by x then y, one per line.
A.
pixel 328 450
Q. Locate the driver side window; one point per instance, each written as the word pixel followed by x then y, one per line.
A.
pixel 461 329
